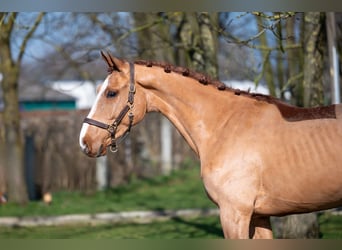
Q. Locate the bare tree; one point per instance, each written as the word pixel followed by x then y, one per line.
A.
pixel 10 69
pixel 294 60
pixel 314 50
pixel 188 39
pixel 267 66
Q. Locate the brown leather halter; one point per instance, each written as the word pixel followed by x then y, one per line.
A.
pixel 111 128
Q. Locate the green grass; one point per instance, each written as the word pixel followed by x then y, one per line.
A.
pixel 172 229
pixel 209 227
pixel 330 226
pixel 182 189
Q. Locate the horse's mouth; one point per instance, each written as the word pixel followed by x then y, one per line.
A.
pixel 102 151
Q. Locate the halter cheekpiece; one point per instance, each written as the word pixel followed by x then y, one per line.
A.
pixel 128 109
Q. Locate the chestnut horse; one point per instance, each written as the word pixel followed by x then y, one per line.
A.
pixel 259 156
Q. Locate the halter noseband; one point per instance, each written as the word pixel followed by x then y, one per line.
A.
pixel 111 128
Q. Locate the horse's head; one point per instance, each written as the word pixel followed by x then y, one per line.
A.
pixel 118 106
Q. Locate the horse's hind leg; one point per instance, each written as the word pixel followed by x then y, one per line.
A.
pixel 260 228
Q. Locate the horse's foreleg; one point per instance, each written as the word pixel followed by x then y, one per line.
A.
pixel 260 228
pixel 235 223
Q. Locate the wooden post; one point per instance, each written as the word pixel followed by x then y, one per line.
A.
pixel 166 146
pixel 333 58
pixel 102 173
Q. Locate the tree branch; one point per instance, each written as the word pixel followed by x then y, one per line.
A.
pixel 274 17
pixel 291 81
pixel 2 18
pixel 11 20
pixel 71 62
pixel 140 28
pixel 265 61
pixel 29 35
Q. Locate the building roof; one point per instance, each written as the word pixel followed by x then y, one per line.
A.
pixel 32 93
pixel 83 91
pixel 42 93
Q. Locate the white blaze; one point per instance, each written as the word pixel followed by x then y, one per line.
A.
pixel 85 126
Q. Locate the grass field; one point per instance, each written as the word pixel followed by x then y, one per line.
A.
pixel 172 229
pixel 330 226
pixel 181 190
pixel 206 228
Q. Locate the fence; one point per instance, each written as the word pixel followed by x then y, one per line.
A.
pixel 54 161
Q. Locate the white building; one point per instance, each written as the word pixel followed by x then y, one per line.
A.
pixel 247 86
pixel 83 91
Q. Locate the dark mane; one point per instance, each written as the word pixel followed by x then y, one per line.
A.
pixel 289 112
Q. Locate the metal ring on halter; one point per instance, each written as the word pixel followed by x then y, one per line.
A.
pixel 113 147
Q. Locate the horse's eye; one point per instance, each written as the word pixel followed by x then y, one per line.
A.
pixel 110 94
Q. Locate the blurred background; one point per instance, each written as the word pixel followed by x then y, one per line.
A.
pixel 50 65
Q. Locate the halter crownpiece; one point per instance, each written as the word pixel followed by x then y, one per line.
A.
pixel 128 109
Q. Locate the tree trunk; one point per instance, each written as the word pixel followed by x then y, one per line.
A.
pixel 267 70
pixel 154 41
pixel 3 182
pixel 295 61
pixel 333 58
pixel 13 145
pixel 313 59
pixel 198 36
pixel 208 39
pixel 298 226
pixel 16 188
pixel 280 63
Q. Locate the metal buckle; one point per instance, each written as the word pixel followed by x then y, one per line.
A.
pixel 112 128
pixel 132 89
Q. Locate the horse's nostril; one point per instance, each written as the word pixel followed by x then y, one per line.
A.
pixel 84 146
pixel 86 149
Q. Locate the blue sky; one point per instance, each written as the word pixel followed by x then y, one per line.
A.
pixel 64 33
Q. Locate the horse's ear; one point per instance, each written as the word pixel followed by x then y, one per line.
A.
pixel 114 64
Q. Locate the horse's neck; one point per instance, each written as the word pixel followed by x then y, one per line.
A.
pixel 192 108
